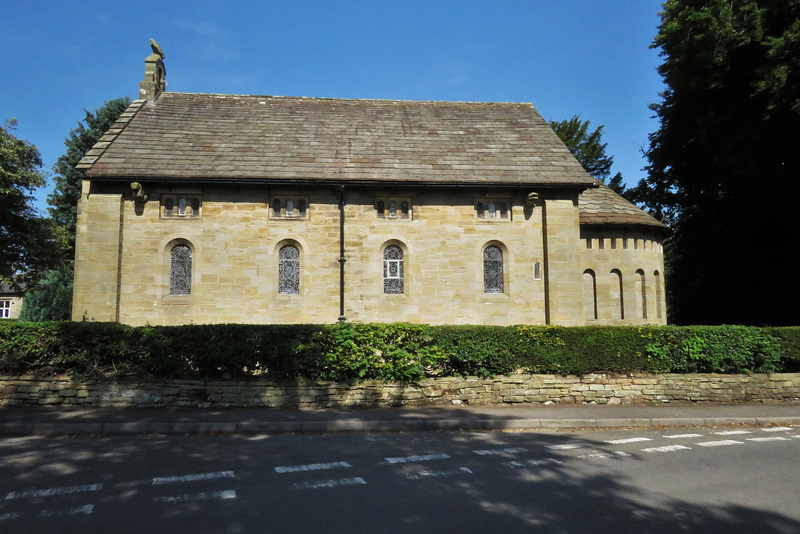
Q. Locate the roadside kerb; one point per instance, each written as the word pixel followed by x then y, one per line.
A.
pixel 368 425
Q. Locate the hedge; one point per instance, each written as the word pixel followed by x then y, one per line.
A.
pixel 389 352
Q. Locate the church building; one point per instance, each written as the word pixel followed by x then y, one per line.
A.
pixel 216 208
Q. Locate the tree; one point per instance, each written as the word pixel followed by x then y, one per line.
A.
pixel 26 240
pixel 724 163
pixel 68 179
pixel 51 298
pixel 589 149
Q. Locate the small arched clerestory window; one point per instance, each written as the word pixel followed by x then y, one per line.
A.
pixel 589 295
pixel 641 290
pixel 289 270
pixel 393 270
pixel 493 270
pixel 180 270
pixel 537 270
pixel 657 278
pixel 617 297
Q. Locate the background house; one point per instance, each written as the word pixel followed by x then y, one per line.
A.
pixel 10 301
pixel 211 208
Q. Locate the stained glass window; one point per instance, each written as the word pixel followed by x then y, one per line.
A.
pixel 289 270
pixel 180 270
pixel 393 270
pixel 492 270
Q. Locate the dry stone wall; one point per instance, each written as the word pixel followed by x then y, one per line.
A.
pixel 62 391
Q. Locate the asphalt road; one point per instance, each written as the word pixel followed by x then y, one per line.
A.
pixel 725 479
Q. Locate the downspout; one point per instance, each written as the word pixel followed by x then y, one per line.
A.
pixel 545 264
pixel 342 259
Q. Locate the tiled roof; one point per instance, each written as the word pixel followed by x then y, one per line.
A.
pixel 602 206
pixel 229 137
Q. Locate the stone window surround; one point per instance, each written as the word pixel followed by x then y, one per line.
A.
pixel 299 207
pixel 192 202
pixel 383 208
pixel 482 209
pixel 166 297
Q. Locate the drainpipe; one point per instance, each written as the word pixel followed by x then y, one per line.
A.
pixel 545 264
pixel 342 259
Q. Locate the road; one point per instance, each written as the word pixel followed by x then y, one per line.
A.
pixel 725 479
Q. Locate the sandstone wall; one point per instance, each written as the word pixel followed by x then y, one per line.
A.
pixel 123 257
pixel 514 389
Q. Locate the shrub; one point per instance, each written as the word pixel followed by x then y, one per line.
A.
pixel 389 352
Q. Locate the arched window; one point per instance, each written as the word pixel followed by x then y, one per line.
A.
pixel 381 208
pixel 289 270
pixel 404 209
pixel 393 270
pixel 493 270
pixel 182 206
pixel 641 292
pixel 290 208
pixel 615 283
pixel 492 210
pixel 276 207
pixel 195 207
pixel 301 208
pixel 392 208
pixel 657 277
pixel 537 271
pixel 589 295
pixel 180 270
pixel 479 209
pixel 169 205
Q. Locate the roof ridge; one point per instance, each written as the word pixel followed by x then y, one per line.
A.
pixel 331 98
pixel 99 148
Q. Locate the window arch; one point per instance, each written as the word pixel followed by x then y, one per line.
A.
pixel 537 270
pixel 493 270
pixel 393 270
pixel 289 270
pixel 589 295
pixel 641 293
pixel 657 277
pixel 180 270
pixel 617 300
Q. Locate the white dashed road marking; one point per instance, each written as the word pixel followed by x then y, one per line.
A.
pixel 193 478
pixel 538 462
pixel 83 510
pixel 509 450
pixel 773 438
pixel 566 446
pixel 310 467
pixel 721 443
pixel 732 432
pixel 194 497
pixel 684 436
pixel 667 448
pixel 423 458
pixel 330 483
pixel 627 440
pixel 778 429
pixel 50 492
pixel 443 473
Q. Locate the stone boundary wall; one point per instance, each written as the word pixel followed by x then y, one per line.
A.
pixel 598 388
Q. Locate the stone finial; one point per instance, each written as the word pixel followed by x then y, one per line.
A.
pixel 154 74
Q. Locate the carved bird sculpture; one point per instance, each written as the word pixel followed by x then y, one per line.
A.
pixel 156 48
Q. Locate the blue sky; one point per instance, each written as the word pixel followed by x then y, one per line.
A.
pixel 587 57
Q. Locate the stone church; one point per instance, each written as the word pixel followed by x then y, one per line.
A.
pixel 216 208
